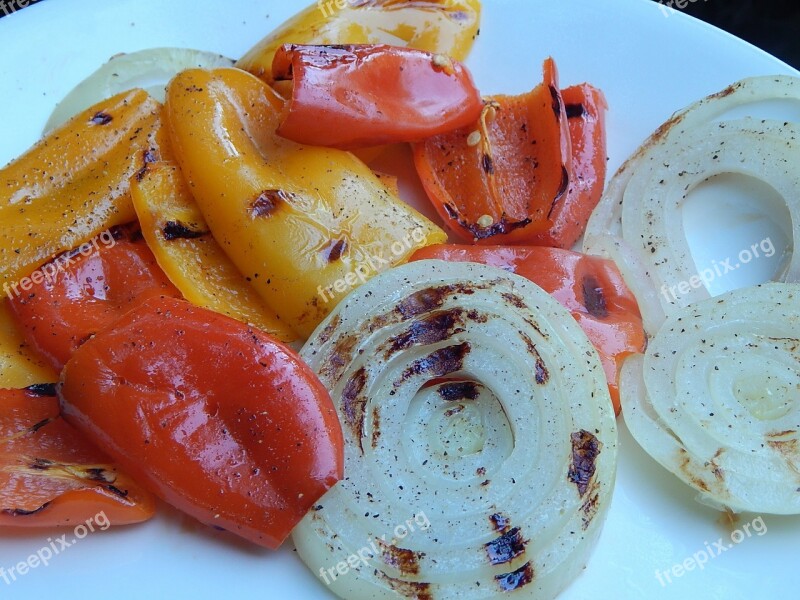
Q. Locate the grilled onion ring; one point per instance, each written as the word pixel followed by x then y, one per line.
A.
pixel 638 222
pixel 471 398
pixel 715 399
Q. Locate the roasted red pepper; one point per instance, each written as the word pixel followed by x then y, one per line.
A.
pixel 82 291
pixel 591 288
pixel 51 476
pixel 218 419
pixel 361 95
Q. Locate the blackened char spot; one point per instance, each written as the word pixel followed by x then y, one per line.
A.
pixel 267 201
pixel 500 522
pixel 542 374
pixel 40 424
pixel 585 450
pixel 426 300
pixel 488 164
pixel 405 561
pixel 556 97
pixel 175 230
pixel 561 190
pixel 439 363
pixel 593 297
pixel 336 249
pixel 42 389
pixel 101 118
pixel 501 227
pixel 354 404
pixel 575 110
pixel 505 548
pixel 458 390
pixel 514 300
pixel 21 512
pixel 516 579
pixel 430 329
pixel 115 490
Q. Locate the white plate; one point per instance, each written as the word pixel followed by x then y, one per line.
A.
pixel 648 60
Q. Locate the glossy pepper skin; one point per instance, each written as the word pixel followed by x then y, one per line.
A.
pixel 178 236
pixel 218 419
pixel 500 179
pixel 51 476
pixel 591 288
pixel 446 27
pixel 20 364
pixel 89 289
pixel 305 224
pixel 73 184
pixel 361 96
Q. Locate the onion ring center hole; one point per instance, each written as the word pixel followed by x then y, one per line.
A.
pixel 457 430
pixel 739 232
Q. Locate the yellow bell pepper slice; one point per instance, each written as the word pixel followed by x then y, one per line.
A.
pixel 20 366
pixel 305 224
pixel 177 234
pixel 439 26
pixel 73 184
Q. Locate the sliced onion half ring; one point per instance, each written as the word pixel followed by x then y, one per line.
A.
pixel 149 69
pixel 639 221
pixel 480 444
pixel 716 399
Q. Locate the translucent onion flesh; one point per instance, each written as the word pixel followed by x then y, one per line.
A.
pixel 480 446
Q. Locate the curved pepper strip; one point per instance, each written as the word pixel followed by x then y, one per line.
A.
pixel 74 183
pixel 50 476
pixel 87 289
pixel 20 364
pixel 499 180
pixel 305 224
pixel 178 236
pixel 440 26
pixel 591 288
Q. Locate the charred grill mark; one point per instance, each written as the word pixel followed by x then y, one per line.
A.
pixel 405 561
pixel 514 300
pixel 516 579
pixel 500 522
pixel 585 450
pixel 594 299
pixel 575 110
pixel 430 299
pixel 556 98
pixel 101 118
pixel 407 589
pixel 487 164
pixel 458 390
pixel 430 329
pixel 21 512
pixel 340 357
pixel 116 491
pixel 148 157
pixel 336 249
pixel 789 450
pixel 100 475
pixel 439 363
pixel 589 510
pixel 376 427
pixel 501 227
pixel 354 404
pixel 542 374
pixel 505 548
pixel 40 424
pixel 42 389
pixel 326 334
pixel 687 467
pixel 175 230
pixel 268 201
pixel 561 190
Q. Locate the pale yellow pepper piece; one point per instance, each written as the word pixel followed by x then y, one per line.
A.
pixel 305 224
pixel 178 236
pixel 439 26
pixel 20 366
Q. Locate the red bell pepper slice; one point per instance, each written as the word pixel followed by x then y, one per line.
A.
pixel 216 418
pixel 591 288
pixel 50 476
pixel 361 95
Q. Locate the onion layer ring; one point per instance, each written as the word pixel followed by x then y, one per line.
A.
pixel 468 396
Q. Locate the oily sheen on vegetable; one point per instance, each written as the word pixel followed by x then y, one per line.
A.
pixel 470 400
pixel 715 399
pixel 639 221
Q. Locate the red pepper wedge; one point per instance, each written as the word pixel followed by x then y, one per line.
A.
pixel 51 476
pixel 500 179
pixel 82 291
pixel 216 418
pixel 586 108
pixel 359 96
pixel 591 288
